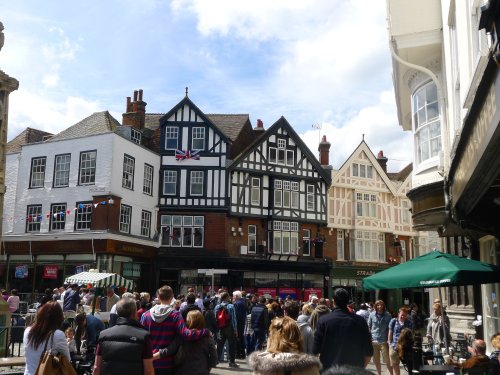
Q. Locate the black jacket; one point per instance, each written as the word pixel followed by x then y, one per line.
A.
pixel 259 318
pixel 342 338
pixel 122 348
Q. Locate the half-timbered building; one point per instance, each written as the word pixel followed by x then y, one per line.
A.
pixel 370 217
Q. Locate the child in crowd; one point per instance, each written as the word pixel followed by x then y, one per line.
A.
pixel 70 338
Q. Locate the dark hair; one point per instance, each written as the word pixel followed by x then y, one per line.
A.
pixel 262 299
pixel 48 319
pixel 206 304
pixel 190 298
pixel 292 309
pixel 165 293
pixel 126 307
pixel 13 292
pixel 224 296
pixel 341 297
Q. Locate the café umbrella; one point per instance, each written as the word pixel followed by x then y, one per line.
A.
pixel 434 269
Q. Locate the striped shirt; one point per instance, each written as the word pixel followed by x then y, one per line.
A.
pixel 163 333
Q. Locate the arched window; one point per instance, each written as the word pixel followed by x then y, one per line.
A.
pixel 426 122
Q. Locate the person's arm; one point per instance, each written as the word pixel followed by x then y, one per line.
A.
pixel 367 360
pixel 189 334
pixel 98 364
pixel 148 366
pixel 60 344
pixel 234 322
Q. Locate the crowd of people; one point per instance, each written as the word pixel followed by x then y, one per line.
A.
pixel 193 333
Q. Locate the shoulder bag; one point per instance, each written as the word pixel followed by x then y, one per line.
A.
pixel 53 364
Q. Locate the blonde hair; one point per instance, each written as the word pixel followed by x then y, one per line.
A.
pixel 495 341
pixel 195 320
pixel 284 336
pixel 307 309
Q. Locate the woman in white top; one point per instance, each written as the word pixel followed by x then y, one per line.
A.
pixel 48 321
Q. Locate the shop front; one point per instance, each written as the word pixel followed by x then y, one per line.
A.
pixel 351 279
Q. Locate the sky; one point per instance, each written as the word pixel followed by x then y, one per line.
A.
pixel 323 65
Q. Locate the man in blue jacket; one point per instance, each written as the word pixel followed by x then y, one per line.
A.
pixel 260 322
pixel 227 330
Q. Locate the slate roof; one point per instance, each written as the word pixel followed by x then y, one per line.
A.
pixel 229 124
pixel 29 135
pixel 96 123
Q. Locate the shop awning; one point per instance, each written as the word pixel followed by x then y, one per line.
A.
pixel 100 280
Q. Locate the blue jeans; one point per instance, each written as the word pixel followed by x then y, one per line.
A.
pixel 259 338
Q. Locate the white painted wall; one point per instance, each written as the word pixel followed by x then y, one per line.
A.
pixel 109 166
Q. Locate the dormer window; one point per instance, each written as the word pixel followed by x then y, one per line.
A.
pixel 362 170
pixel 281 155
pixel 135 136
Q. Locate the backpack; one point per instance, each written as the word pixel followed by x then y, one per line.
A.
pixel 223 317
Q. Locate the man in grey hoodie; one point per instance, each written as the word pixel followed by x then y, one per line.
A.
pixel 163 323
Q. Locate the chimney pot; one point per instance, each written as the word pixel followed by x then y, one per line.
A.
pixel 260 124
pixel 128 104
pixel 135 95
pixel 382 160
pixel 324 151
pixel 140 95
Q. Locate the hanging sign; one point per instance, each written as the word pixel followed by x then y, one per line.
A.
pixel 21 271
pixel 49 272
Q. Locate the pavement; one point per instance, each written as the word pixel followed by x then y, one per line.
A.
pixel 224 369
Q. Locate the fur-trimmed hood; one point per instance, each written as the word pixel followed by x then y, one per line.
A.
pixel 271 363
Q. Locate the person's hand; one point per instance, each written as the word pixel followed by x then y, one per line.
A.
pixel 156 356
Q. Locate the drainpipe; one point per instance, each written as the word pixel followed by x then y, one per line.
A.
pixel 440 92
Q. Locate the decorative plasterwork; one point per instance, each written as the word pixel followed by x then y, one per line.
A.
pixel 415 78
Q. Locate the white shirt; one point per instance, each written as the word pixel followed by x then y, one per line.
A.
pixel 59 345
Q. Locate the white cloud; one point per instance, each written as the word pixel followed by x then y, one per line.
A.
pixel 377 124
pixel 27 109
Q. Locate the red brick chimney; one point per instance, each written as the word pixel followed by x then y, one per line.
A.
pixel 382 160
pixel 259 129
pixel 135 112
pixel 324 151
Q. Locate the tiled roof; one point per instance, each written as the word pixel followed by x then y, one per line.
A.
pixel 29 135
pixel 230 125
pixel 152 120
pixel 96 123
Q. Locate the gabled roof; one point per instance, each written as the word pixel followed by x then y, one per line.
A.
pixel 376 165
pixel 96 123
pixel 283 123
pixel 27 136
pixel 188 102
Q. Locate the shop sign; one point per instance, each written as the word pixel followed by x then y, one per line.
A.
pixel 49 272
pixel 285 292
pixel 365 273
pixel 21 272
pixel 268 292
pixel 312 291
